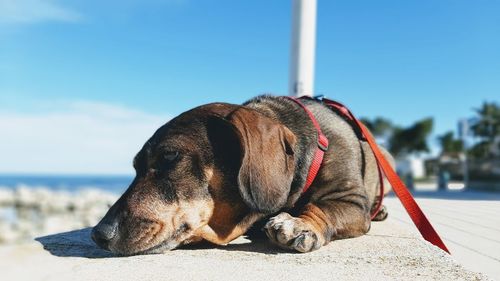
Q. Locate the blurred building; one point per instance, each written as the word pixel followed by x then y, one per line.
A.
pixel 413 166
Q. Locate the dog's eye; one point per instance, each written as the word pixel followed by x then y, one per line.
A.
pixel 170 156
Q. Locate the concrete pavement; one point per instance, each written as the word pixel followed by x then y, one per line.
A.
pixel 468 222
pixel 389 252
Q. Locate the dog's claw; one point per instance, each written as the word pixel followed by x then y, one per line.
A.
pixel 291 233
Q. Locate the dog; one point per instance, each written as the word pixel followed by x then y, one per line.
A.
pixel 213 172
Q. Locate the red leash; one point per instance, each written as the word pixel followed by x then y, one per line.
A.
pixel 418 217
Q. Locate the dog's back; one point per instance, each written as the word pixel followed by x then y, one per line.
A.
pixel 347 154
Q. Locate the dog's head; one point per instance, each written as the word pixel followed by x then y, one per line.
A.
pixel 207 174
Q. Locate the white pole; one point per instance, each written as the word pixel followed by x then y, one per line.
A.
pixel 301 80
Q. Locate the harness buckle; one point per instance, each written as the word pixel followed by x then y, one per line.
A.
pixel 322 142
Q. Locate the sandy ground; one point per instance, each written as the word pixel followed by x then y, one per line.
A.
pixel 389 252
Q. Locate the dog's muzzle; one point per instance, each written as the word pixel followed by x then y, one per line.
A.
pixel 104 232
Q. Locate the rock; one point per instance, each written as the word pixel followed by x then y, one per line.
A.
pixel 7 233
pixel 39 211
pixel 25 197
pixel 6 197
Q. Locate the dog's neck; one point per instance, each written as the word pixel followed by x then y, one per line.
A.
pixel 292 116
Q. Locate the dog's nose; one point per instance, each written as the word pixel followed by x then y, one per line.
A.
pixel 103 233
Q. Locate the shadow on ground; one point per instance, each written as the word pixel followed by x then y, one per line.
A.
pixel 77 243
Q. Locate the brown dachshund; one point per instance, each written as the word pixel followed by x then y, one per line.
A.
pixel 216 170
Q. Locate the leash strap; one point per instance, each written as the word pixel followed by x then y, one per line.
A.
pixel 418 217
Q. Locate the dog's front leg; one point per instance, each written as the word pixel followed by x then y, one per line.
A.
pixel 319 223
pixel 222 235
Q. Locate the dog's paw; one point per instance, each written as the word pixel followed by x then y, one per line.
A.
pixel 382 214
pixel 292 233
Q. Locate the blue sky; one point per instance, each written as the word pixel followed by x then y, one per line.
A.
pixel 88 68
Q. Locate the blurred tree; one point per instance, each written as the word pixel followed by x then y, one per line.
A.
pixel 450 145
pixel 480 150
pixel 488 126
pixel 487 129
pixel 410 140
pixel 401 141
pixel 380 127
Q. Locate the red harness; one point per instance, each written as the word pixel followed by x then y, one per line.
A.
pixel 411 206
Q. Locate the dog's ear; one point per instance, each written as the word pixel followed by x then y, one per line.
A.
pixel 267 159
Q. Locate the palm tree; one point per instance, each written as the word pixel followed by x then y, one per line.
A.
pixel 487 129
pixel 406 141
pixel 450 145
pixel 401 141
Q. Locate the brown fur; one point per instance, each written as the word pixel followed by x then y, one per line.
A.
pixel 214 171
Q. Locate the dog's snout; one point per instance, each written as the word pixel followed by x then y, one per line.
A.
pixel 103 233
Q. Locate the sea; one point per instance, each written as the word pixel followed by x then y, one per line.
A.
pixel 69 183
